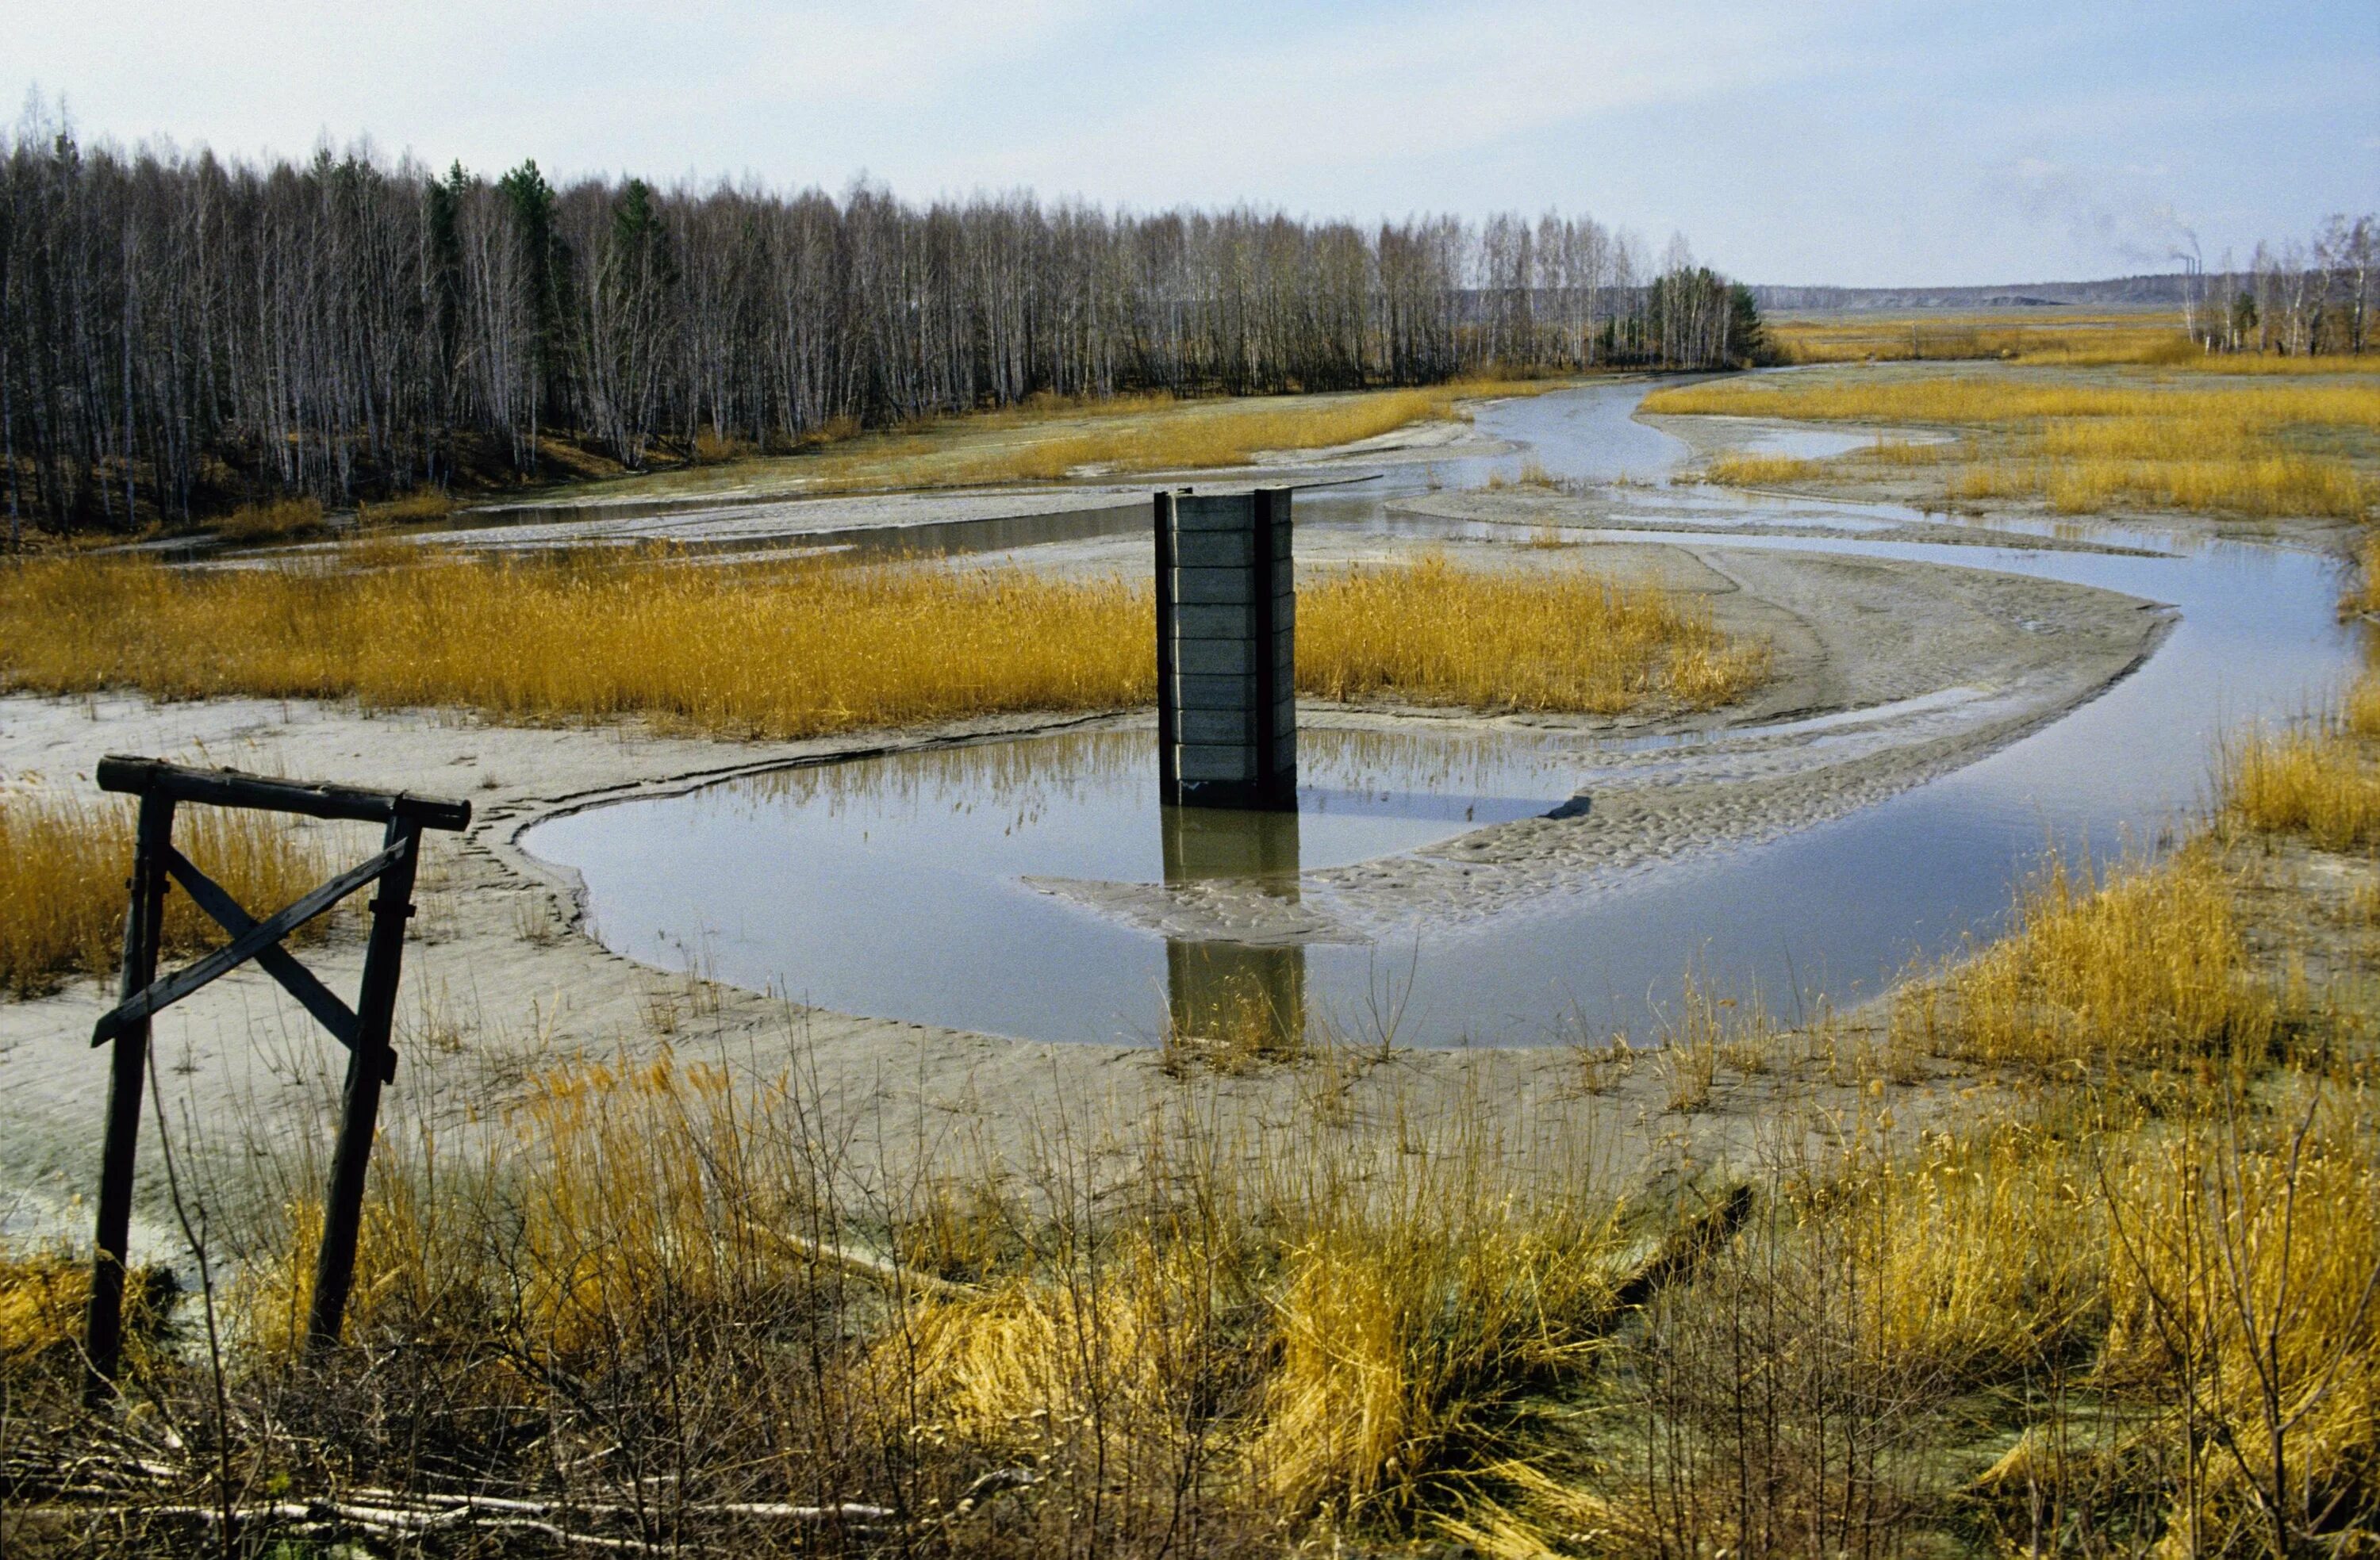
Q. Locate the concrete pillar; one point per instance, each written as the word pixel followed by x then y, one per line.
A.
pixel 1226 651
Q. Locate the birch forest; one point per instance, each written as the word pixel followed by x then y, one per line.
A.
pixel 181 334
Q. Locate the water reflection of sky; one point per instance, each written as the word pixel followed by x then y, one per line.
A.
pixel 893 886
pixel 890 887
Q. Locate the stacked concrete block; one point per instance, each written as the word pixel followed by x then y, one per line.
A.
pixel 1226 650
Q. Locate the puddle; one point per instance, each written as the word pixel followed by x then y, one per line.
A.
pixel 927 888
pixel 839 883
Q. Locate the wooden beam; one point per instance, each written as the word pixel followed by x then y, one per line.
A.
pixel 160 995
pixel 335 1261
pixel 230 787
pixel 273 958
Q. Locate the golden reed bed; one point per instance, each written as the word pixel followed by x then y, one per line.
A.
pixel 796 649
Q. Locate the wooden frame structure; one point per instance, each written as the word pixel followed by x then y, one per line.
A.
pixel 364 1029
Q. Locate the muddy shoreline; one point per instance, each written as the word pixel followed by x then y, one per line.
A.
pixel 503 982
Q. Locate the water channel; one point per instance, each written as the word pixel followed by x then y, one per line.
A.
pixel 933 887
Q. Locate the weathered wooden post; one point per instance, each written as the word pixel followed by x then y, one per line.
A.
pixel 370 1061
pixel 364 1029
pixel 1226 655
pixel 128 1071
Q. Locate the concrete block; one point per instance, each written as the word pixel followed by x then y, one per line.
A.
pixel 1208 657
pixel 1214 622
pixel 1222 726
pixel 1203 761
pixel 1214 550
pixel 1206 587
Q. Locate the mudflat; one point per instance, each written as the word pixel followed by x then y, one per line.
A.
pixel 1928 666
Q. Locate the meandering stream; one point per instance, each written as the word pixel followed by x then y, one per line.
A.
pixel 919 887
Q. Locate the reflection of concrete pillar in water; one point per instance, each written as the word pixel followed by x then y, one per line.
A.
pixel 1232 992
pixel 1226 635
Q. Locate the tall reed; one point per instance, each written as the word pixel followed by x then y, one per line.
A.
pixel 793 649
pixel 1571 639
pixel 62 866
pixel 2145 967
pixel 2158 442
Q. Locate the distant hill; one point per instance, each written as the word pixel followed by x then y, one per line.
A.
pixel 2162 291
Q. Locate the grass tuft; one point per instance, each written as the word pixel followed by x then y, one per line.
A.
pixel 1758 471
pixel 2145 967
pixel 283 520
pixel 64 865
pixel 2254 449
pixel 2315 783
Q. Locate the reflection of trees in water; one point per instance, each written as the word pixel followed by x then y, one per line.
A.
pixel 1243 1001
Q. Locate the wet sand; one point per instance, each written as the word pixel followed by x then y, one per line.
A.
pixel 503 981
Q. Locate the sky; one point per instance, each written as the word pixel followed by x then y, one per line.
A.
pixel 1853 141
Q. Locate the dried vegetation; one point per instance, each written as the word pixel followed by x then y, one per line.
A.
pixel 658 1304
pixel 63 868
pixel 792 650
pixel 1540 640
pixel 2142 439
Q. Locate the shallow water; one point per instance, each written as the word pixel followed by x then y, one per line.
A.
pixel 899 887
pixel 894 886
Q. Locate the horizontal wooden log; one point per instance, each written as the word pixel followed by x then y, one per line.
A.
pixel 230 787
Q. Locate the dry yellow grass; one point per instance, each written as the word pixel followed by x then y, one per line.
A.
pixel 284 520
pixel 1048 440
pixel 1566 640
pixel 63 867
pixel 2364 595
pixel 2277 363
pixel 2085 447
pixel 425 503
pixel 2148 966
pixel 1993 1261
pixel 1757 471
pixel 43 1293
pixel 779 649
pixel 652 1185
pixel 1991 398
pixel 2319 783
pixel 1326 1329
pixel 2247 1247
pixel 2059 335
pixel 1401 1336
pixel 2320 780
pixel 2274 485
pixel 1334 1334
pixel 792 649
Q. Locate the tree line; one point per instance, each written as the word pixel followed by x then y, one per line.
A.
pixel 180 334
pixel 2294 297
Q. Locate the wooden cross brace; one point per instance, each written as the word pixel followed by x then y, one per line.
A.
pixel 363 1029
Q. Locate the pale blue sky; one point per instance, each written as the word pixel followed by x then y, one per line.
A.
pixel 1857 141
